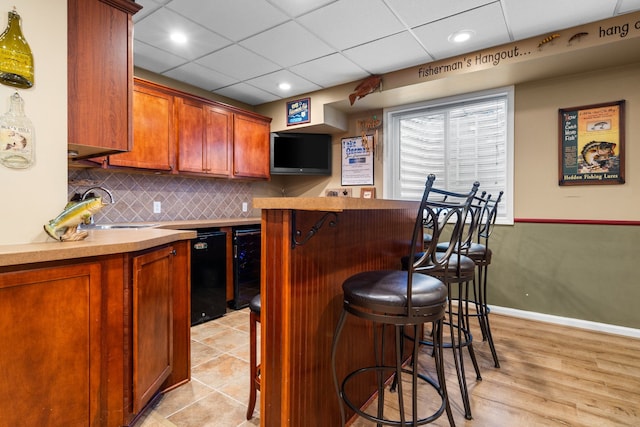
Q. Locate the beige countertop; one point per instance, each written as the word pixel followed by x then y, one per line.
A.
pixel 192 224
pixel 112 241
pixel 331 204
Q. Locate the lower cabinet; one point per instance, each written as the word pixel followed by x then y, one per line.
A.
pixel 50 336
pixel 152 323
pixel 89 342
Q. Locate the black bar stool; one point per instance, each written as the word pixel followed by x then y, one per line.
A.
pixel 480 253
pixel 458 274
pixel 254 368
pixel 402 299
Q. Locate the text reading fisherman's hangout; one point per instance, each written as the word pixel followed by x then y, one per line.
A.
pixel 515 52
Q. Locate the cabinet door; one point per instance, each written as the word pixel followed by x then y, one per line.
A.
pixel 152 323
pixel 153 140
pixel 100 75
pixel 50 334
pixel 250 147
pixel 191 153
pixel 218 140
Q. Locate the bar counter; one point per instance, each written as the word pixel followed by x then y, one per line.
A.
pixel 309 247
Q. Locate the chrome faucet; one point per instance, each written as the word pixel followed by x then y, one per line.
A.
pixel 88 191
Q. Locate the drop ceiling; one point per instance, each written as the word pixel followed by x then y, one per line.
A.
pixel 243 49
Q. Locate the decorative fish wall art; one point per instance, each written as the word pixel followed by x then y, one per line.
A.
pixel 367 86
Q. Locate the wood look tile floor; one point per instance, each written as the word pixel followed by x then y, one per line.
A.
pixel 550 375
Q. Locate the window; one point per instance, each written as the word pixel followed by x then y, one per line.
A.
pixel 460 140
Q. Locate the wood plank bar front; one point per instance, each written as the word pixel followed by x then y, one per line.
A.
pixel 301 292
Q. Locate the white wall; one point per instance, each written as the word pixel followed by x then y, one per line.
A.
pixel 30 197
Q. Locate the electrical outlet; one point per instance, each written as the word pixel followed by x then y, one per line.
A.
pixel 157 207
pixel 338 192
pixel 245 207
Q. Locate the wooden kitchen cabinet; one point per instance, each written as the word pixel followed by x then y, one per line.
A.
pixel 251 146
pixel 204 138
pixel 153 130
pixel 88 342
pixel 152 323
pixel 50 332
pixel 100 75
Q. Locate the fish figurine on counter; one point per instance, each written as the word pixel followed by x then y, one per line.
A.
pixel 367 86
pixel 73 215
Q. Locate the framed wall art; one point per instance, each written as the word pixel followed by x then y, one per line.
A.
pixel 298 111
pixel 368 193
pixel 592 144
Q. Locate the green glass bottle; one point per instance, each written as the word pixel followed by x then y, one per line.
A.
pixel 16 59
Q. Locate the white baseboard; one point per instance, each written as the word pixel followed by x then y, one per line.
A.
pixel 567 321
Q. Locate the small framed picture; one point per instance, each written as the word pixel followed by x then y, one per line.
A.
pixel 368 192
pixel 298 111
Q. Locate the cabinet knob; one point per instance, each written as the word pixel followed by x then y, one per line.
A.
pixel 173 252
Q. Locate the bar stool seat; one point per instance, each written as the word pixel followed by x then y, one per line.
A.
pixel 255 307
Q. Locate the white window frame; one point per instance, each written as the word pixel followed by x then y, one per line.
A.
pixel 391 157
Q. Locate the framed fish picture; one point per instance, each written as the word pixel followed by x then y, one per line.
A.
pixel 592 144
pixel 298 111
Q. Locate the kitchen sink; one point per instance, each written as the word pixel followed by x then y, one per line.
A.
pixel 116 226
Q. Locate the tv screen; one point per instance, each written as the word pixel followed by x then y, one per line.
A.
pixel 300 154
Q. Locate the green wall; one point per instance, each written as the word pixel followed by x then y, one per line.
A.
pixel 579 271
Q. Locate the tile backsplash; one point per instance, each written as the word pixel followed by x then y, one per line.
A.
pixel 180 198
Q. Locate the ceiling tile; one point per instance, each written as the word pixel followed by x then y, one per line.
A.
pixel 419 12
pixel 153 59
pixel 235 19
pixel 247 94
pixel 399 51
pixel 157 27
pixel 239 62
pixel 295 8
pixel 200 76
pixel 553 15
pixel 148 6
pixel 628 6
pixel 348 23
pixel 269 83
pixel 487 22
pixel 341 70
pixel 287 44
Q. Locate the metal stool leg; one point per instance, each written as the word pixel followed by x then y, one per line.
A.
pixel 254 368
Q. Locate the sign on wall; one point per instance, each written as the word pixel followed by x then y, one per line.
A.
pixel 357 160
pixel 298 111
pixel 592 144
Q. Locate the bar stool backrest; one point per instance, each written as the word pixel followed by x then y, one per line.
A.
pixel 488 219
pixel 439 210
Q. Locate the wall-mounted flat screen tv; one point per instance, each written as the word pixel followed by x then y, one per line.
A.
pixel 300 154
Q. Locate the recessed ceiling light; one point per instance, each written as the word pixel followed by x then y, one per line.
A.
pixel 461 36
pixel 284 86
pixel 178 37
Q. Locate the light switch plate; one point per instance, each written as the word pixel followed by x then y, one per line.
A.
pixel 157 207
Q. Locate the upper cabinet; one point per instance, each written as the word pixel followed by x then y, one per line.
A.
pixel 250 146
pixel 100 75
pixel 153 130
pixel 204 138
pixel 188 135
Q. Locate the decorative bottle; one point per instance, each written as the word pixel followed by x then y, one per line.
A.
pixel 16 59
pixel 17 136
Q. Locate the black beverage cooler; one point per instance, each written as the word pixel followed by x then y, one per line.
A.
pixel 208 275
pixel 246 265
